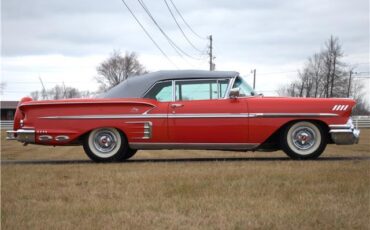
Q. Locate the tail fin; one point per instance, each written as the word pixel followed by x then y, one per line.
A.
pixel 19 115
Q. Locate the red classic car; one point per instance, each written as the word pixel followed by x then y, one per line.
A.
pixel 186 110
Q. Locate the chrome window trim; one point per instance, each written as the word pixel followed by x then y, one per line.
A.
pixel 231 83
pixel 218 90
pixel 231 80
pixel 230 87
pixel 173 91
pixel 202 79
pixel 219 87
pixel 151 87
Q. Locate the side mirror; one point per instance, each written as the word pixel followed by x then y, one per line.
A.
pixel 234 93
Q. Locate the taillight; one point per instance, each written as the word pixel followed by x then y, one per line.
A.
pixel 19 115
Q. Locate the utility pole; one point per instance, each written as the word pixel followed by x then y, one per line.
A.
pixel 349 82
pixel 64 91
pixel 211 64
pixel 43 89
pixel 254 78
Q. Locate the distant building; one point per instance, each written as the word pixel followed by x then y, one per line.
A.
pixel 8 110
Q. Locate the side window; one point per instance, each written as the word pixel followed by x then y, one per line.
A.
pixel 161 91
pixel 196 90
pixel 223 84
pixel 245 89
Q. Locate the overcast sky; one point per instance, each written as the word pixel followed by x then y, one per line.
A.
pixel 64 41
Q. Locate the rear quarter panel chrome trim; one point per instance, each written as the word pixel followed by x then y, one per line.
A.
pixel 146 129
pixel 191 115
pixel 107 116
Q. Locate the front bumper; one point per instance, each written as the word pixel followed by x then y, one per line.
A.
pixel 21 135
pixel 345 134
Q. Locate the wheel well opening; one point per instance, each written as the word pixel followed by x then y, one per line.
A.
pixel 273 142
pixel 83 136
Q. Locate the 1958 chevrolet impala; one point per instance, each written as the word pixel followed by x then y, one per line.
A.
pixel 186 110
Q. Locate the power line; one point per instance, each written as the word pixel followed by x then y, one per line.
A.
pixel 178 25
pixel 178 50
pixel 169 40
pixel 177 10
pixel 147 33
pixel 270 73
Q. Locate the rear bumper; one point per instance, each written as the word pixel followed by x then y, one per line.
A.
pixel 21 135
pixel 345 134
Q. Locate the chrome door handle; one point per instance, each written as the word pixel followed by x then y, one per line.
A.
pixel 176 105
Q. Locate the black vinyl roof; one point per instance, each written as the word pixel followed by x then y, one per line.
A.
pixel 135 87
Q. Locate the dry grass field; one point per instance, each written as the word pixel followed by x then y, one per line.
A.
pixel 61 189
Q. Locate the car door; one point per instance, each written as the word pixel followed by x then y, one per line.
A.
pixel 162 92
pixel 201 114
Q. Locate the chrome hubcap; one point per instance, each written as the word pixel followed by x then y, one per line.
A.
pixel 105 141
pixel 303 138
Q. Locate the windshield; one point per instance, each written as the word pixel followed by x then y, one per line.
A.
pixel 245 89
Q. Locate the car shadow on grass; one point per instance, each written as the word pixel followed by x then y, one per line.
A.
pixel 184 160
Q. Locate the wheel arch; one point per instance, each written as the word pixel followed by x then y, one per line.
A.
pixel 273 139
pixel 85 134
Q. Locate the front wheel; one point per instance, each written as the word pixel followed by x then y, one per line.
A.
pixel 303 140
pixel 107 145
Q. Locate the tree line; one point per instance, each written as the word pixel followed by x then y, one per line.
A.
pixel 60 92
pixel 325 74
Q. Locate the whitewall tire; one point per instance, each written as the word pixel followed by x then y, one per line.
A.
pixel 303 140
pixel 107 145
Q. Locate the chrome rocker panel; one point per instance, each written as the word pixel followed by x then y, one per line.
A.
pixel 345 134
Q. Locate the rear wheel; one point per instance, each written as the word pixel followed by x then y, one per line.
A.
pixel 303 140
pixel 107 145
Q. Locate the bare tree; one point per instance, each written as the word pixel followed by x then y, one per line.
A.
pixel 35 95
pixel 59 92
pixel 116 69
pixel 325 75
pixel 333 67
pixel 315 71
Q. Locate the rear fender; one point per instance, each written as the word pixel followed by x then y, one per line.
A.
pixel 273 139
pixel 19 114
